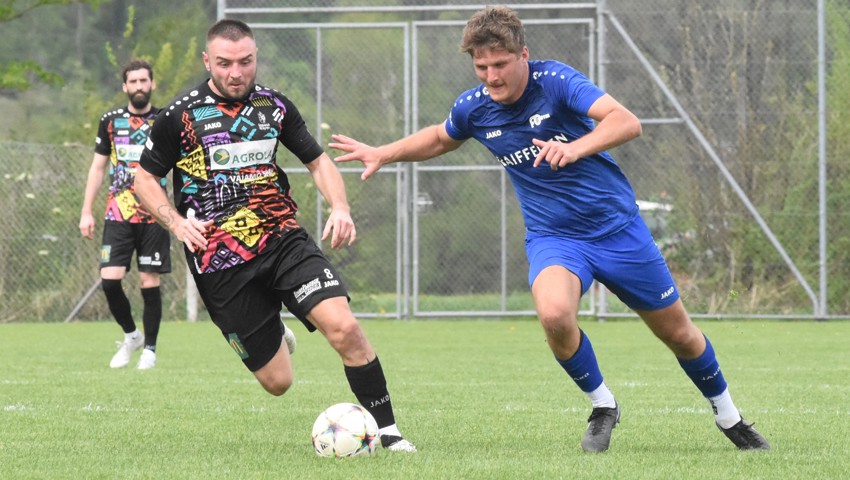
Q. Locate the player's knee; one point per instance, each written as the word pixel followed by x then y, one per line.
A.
pixel 556 318
pixel 345 333
pixel 278 385
pixel 684 341
pixel 276 376
pixel 148 282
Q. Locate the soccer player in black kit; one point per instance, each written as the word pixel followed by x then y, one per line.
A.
pixel 121 137
pixel 236 218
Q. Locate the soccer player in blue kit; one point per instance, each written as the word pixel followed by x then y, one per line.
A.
pixel 581 218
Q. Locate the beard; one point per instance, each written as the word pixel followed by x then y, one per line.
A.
pixel 140 99
pixel 240 94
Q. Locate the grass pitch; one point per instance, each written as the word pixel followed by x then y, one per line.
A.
pixel 482 399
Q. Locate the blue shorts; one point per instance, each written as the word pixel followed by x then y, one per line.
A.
pixel 628 262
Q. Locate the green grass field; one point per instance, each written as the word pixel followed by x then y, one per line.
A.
pixel 481 399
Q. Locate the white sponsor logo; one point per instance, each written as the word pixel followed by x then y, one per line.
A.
pixel 494 134
pixel 262 125
pixel 145 260
pixel 244 154
pixel 537 119
pixel 212 125
pixel 128 153
pixel 306 289
pixel 668 293
pixel 528 153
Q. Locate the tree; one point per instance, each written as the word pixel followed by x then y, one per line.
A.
pixel 17 76
pixel 97 38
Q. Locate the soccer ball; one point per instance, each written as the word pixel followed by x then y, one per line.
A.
pixel 345 430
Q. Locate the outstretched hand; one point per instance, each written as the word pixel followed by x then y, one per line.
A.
pixel 366 154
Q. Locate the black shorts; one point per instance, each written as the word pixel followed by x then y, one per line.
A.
pixel 150 241
pixel 245 301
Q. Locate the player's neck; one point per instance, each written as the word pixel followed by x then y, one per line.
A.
pixel 138 111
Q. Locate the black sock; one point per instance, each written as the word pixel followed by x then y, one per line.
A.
pixel 152 315
pixel 119 305
pixel 370 387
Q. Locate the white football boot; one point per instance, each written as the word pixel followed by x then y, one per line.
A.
pixel 289 338
pixel 147 360
pixel 125 349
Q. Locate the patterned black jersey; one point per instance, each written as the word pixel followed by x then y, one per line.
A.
pixel 121 136
pixel 223 155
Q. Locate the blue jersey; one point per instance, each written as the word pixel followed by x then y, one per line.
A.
pixel 588 199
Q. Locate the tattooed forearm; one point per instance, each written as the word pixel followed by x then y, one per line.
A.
pixel 165 215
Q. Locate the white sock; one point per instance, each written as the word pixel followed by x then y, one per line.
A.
pixel 602 397
pixel 725 413
pixel 390 430
pixel 132 335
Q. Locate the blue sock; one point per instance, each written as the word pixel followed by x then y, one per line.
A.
pixel 705 372
pixel 582 367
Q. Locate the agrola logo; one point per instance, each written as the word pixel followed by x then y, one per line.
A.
pixel 221 156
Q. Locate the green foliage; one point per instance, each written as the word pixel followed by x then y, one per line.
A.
pixel 17 76
pixel 754 102
pixel 83 72
pixel 11 11
pixel 838 150
pixel 23 75
pixel 770 146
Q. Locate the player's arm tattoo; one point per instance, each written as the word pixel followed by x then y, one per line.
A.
pixel 165 215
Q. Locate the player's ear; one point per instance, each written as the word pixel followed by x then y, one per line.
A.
pixel 206 60
pixel 153 84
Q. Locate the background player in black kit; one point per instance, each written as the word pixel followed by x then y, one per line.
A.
pixel 237 220
pixel 121 137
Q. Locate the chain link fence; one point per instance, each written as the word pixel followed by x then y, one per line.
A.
pixel 729 171
pixel 47 269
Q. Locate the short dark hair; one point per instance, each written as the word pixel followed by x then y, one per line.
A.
pixel 136 65
pixel 229 29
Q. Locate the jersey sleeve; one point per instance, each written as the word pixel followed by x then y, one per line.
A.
pixel 102 143
pixel 573 88
pixel 295 136
pixel 458 121
pixel 162 149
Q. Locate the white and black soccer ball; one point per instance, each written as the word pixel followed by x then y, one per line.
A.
pixel 345 430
